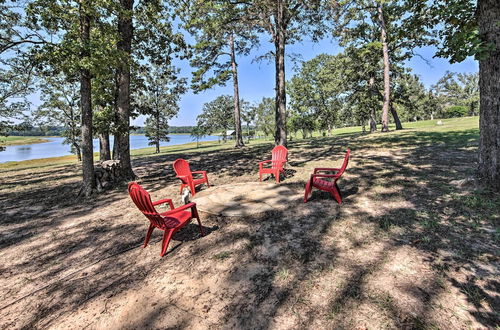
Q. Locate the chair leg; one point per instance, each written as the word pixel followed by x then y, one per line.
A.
pixel 336 194
pixel 277 176
pixel 194 214
pixel 208 184
pixel 260 176
pixel 167 235
pixel 202 231
pixel 192 187
pixel 307 191
pixel 148 235
pixel 339 192
pixel 182 187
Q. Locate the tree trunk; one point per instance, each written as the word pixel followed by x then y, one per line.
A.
pixel 104 152
pixel 157 141
pixel 279 42
pixel 489 87
pixel 373 93
pixel 88 185
pixel 77 151
pixel 387 77
pixel 373 121
pixel 396 117
pixel 121 146
pixel 237 111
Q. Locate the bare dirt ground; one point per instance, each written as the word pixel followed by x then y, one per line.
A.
pixel 414 246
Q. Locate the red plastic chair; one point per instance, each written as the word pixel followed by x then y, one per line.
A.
pixel 170 221
pixel 327 182
pixel 278 160
pixel 183 171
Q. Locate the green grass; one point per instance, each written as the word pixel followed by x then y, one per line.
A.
pixel 20 140
pixel 466 129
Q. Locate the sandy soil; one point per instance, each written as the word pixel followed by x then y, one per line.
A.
pixel 412 246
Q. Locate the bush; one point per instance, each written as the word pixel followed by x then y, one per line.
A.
pixel 456 111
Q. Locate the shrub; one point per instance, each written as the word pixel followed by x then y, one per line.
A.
pixel 456 111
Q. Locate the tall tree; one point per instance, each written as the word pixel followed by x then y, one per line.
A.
pixel 76 48
pixel 472 28
pixel 265 115
pixel 317 89
pixel 159 99
pixel 86 100
pixel 387 68
pixel 488 13
pixel 216 116
pixel 286 21
pixel 121 147
pixel 394 27
pixel 221 33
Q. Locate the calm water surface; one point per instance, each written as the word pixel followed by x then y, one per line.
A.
pixel 55 147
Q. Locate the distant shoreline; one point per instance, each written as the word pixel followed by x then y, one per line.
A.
pixel 21 140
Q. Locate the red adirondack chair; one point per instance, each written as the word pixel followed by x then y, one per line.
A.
pixel 183 171
pixel 327 182
pixel 170 221
pixel 278 160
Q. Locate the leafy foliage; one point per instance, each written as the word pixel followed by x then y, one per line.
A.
pixel 216 116
pixel 158 98
pixel 61 106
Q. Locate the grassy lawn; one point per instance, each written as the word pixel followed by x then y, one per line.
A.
pixel 415 245
pixel 20 140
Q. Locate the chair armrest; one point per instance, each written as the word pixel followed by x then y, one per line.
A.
pixel 204 173
pixel 261 164
pixel 180 208
pixel 324 176
pixel 163 201
pixel 184 178
pixel 321 169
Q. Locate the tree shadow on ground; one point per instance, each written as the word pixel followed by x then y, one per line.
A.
pixel 405 241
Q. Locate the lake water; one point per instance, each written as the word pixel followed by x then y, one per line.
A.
pixel 55 147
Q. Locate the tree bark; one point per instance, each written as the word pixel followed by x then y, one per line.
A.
pixel 387 77
pixel 104 151
pixel 396 117
pixel 157 141
pixel 77 151
pixel 489 86
pixel 88 184
pixel 237 110
pixel 279 42
pixel 373 93
pixel 121 148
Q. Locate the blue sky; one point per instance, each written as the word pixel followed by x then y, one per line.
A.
pixel 257 79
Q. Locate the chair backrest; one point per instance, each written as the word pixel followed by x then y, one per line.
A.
pixel 143 202
pixel 279 154
pixel 344 164
pixel 181 167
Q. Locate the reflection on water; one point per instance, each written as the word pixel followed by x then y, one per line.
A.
pixel 55 147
